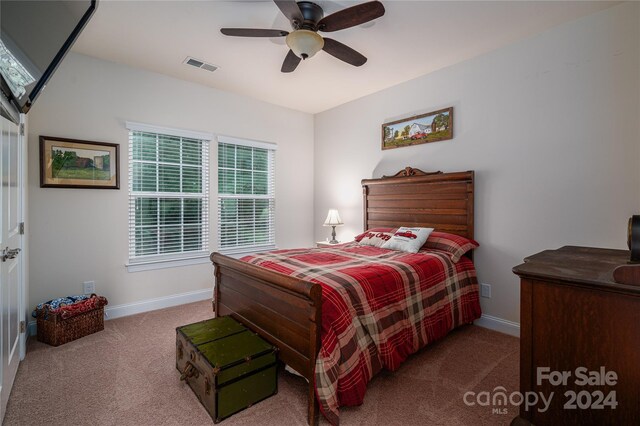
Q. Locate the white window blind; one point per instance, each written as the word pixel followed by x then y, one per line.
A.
pixel 168 194
pixel 246 195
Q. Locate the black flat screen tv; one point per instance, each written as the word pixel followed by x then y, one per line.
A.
pixel 34 38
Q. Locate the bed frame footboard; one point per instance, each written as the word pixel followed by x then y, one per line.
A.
pixel 285 311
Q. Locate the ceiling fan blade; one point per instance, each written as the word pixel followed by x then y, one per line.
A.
pixel 252 32
pixel 343 52
pixel 351 16
pixel 290 9
pixel 290 62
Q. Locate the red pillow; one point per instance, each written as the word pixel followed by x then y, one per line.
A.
pixel 361 236
pixel 456 245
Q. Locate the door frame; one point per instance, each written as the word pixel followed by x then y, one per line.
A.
pixel 23 169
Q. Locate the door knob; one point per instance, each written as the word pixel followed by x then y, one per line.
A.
pixel 8 253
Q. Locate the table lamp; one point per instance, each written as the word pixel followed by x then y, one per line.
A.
pixel 333 220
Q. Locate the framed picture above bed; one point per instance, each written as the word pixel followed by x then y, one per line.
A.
pixel 71 163
pixel 430 127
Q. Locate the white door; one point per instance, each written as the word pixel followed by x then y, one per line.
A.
pixel 11 279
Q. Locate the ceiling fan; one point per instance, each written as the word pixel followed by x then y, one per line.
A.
pixel 307 19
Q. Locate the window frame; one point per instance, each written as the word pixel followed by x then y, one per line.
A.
pixel 180 258
pixel 238 250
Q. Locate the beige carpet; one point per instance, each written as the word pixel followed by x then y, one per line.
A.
pixel 125 375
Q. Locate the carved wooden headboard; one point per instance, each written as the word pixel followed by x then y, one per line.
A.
pixel 411 197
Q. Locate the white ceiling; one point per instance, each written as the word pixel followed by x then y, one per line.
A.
pixel 413 38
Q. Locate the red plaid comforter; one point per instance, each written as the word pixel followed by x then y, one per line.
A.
pixel 379 306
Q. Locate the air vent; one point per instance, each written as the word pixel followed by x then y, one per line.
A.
pixel 199 64
pixel 209 67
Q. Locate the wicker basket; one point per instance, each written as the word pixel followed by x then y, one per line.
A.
pixel 55 331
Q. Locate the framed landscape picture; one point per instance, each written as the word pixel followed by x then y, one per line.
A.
pixel 70 163
pixel 431 127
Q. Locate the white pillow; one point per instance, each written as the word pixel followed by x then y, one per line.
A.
pixel 375 239
pixel 408 239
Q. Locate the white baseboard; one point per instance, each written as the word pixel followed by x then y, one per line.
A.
pixel 117 311
pixel 32 328
pixel 111 312
pixel 126 309
pixel 498 324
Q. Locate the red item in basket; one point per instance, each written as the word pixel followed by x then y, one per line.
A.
pixel 68 311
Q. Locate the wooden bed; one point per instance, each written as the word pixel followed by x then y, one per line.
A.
pixel 287 311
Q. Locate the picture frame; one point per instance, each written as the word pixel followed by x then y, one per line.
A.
pixel 74 163
pixel 433 126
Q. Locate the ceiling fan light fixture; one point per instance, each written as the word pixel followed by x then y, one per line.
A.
pixel 305 43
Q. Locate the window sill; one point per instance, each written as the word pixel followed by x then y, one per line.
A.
pixel 166 263
pixel 241 252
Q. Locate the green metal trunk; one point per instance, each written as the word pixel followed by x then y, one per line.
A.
pixel 227 366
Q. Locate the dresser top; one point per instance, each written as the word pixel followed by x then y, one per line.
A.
pixel 577 265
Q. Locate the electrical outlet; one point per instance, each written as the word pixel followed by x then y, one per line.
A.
pixel 485 290
pixel 89 287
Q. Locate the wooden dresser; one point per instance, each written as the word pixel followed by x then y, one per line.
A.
pixel 572 314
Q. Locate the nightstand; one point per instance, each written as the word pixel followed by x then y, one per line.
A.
pixel 325 244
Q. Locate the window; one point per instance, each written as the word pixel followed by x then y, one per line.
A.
pixel 246 195
pixel 168 195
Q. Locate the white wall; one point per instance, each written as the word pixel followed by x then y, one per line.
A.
pixel 77 235
pixel 550 125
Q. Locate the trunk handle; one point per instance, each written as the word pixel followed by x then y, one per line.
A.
pixel 189 371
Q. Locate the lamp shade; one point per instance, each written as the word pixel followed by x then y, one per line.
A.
pixel 304 43
pixel 333 218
